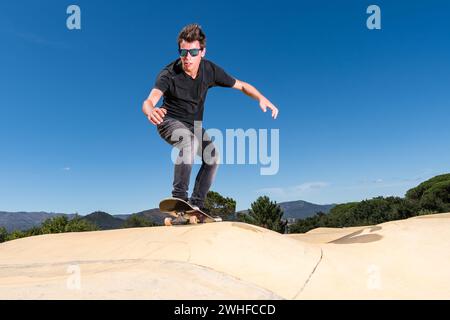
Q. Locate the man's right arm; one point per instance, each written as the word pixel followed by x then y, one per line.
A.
pixel 154 115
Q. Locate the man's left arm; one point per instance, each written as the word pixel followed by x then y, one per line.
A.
pixel 252 92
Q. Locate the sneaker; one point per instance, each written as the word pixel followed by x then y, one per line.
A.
pixel 179 198
pixel 196 207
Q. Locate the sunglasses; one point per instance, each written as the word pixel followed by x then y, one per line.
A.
pixel 192 52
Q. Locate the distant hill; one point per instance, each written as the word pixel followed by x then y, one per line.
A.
pixel 104 221
pixel 153 215
pixel 26 220
pixel 121 216
pixel 300 209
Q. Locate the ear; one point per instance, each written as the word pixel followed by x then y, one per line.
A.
pixel 203 52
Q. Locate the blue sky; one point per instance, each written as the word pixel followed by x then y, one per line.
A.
pixel 363 112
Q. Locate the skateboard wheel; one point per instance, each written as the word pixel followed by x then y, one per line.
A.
pixel 168 222
pixel 193 220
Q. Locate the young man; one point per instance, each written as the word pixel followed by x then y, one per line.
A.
pixel 184 84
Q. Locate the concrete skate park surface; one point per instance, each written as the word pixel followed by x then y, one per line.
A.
pixel 406 259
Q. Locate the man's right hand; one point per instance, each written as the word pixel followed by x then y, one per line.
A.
pixel 157 115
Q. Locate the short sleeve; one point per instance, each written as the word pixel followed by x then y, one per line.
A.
pixel 163 81
pixel 221 78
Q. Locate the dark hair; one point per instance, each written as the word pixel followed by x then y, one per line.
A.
pixel 191 33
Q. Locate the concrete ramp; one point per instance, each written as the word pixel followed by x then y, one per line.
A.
pixel 213 261
pixel 407 259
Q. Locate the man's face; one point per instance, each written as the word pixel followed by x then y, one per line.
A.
pixel 189 62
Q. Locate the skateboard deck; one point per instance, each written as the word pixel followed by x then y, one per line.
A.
pixel 177 208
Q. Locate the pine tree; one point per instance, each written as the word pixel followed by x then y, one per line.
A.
pixel 266 214
pixel 217 205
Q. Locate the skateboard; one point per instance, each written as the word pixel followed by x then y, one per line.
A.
pixel 178 208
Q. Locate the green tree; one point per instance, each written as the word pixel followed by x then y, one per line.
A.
pixel 432 195
pixel 403 208
pixel 55 225
pixel 437 197
pixel 307 224
pixel 78 224
pixel 366 212
pixel 342 214
pixel 304 225
pixel 35 231
pixel 137 221
pixel 266 214
pixel 218 205
pixel 417 192
pixel 16 234
pixel 3 234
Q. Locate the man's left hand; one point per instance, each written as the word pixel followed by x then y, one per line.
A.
pixel 264 104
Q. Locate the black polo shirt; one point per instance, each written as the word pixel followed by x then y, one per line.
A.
pixel 184 97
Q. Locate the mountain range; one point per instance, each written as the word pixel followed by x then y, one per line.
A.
pixel 25 220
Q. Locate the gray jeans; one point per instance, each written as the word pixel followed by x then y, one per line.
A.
pixel 182 136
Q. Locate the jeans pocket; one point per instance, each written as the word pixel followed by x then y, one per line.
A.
pixel 164 129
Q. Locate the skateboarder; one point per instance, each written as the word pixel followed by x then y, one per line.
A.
pixel 184 84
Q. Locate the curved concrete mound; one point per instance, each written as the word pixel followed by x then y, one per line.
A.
pixel 406 259
pixel 213 261
pixel 395 260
